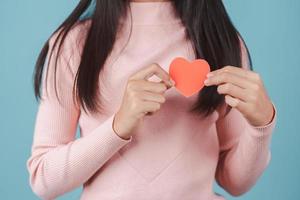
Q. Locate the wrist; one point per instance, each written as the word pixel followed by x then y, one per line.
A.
pixel 270 115
pixel 117 131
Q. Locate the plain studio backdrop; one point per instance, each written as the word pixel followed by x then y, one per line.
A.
pixel 271 29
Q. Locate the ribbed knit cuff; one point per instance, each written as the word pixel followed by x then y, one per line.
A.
pixel 267 129
pixel 111 135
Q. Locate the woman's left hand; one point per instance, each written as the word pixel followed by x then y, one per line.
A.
pixel 245 91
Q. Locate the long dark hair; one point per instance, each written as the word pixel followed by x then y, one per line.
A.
pixel 208 26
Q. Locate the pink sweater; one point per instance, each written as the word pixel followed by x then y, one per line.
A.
pixel 173 154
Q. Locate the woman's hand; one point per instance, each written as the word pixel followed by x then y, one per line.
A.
pixel 140 98
pixel 244 90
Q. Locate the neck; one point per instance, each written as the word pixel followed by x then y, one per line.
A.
pixel 149 0
pixel 158 12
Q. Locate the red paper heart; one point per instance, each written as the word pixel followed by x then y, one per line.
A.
pixel 188 76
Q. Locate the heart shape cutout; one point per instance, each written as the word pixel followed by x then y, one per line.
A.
pixel 188 76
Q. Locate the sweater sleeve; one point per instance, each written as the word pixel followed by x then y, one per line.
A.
pixel 244 149
pixel 244 152
pixel 59 162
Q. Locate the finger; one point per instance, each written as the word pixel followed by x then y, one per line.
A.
pixel 149 96
pixel 227 77
pixel 242 72
pixel 153 69
pixel 149 107
pixel 155 87
pixel 168 86
pixel 234 91
pixel 236 103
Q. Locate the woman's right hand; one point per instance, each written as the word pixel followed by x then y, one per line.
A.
pixel 141 97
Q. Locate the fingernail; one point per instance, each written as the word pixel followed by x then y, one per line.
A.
pixel 209 74
pixel 172 82
pixel 206 81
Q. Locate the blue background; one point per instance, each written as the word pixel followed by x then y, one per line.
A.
pixel 271 29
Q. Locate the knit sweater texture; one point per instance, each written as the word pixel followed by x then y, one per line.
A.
pixel 173 154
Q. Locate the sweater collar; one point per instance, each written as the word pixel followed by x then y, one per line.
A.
pixel 152 13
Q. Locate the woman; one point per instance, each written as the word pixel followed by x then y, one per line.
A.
pixel 139 138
